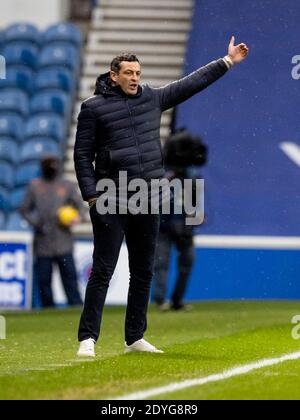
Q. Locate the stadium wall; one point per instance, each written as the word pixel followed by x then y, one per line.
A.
pixel 248 117
pixel 46 12
pixel 250 120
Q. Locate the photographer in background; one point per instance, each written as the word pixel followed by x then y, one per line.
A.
pixel 183 154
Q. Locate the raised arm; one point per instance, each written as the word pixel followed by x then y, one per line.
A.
pixel 183 89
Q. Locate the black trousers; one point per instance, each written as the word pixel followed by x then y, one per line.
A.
pixel 184 244
pixel 66 265
pixel 141 233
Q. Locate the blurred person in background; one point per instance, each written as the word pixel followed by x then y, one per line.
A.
pixel 184 154
pixel 52 206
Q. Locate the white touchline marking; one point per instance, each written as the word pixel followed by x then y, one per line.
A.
pixel 247 242
pixel 52 366
pixel 292 150
pixel 241 370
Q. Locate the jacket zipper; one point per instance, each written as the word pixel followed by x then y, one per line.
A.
pixel 135 138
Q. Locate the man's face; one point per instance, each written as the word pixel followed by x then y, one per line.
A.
pixel 128 77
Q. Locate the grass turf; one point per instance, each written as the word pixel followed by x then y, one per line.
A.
pixel 37 360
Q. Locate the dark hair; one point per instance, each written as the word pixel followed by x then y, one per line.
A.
pixel 116 63
pixel 49 159
pixel 50 166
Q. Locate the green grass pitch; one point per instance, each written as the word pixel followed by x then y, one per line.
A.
pixel 38 358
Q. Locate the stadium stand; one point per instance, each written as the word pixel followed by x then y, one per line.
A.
pixel 21 54
pixel 14 101
pixel 54 78
pixel 16 223
pixel 22 33
pixel 26 172
pixel 53 101
pixel 11 126
pixel 43 71
pixel 16 197
pixel 36 103
pixel 9 151
pixel 4 200
pixel 67 34
pixel 18 78
pixel 7 175
pixel 46 125
pixel 61 56
pixel 2 220
pixel 33 150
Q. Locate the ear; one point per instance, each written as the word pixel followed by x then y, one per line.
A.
pixel 113 76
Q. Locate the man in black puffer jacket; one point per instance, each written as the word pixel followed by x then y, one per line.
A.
pixel 119 129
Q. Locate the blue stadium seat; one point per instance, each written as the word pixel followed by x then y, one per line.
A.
pixel 21 54
pixel 40 139
pixel 55 79
pixel 22 32
pixel 26 173
pixel 4 199
pixel 51 101
pixel 14 101
pixel 11 126
pixel 64 31
pixel 45 125
pixel 20 77
pixel 9 151
pixel 7 175
pixel 35 150
pixel 16 222
pixel 16 198
pixel 58 55
pixel 2 220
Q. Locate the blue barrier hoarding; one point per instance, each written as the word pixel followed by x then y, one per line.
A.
pixel 15 270
pixel 242 268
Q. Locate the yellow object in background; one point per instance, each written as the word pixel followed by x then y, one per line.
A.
pixel 67 215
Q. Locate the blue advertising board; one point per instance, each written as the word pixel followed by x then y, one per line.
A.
pixel 242 268
pixel 15 270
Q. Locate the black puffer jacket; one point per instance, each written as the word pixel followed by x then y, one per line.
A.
pixel 122 133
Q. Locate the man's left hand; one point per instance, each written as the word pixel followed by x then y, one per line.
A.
pixel 237 53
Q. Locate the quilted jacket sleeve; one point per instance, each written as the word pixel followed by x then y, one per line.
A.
pixel 177 92
pixel 85 152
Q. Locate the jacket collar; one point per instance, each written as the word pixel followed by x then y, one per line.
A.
pixel 104 87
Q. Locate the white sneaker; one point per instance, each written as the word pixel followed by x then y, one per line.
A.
pixel 86 348
pixel 163 307
pixel 141 346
